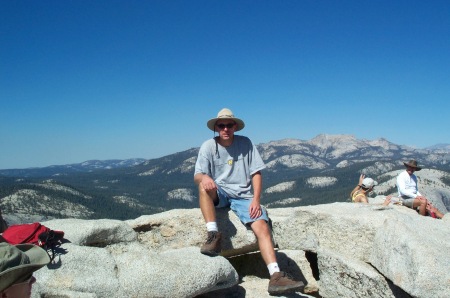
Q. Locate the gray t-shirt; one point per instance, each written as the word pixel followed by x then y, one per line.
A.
pixel 231 167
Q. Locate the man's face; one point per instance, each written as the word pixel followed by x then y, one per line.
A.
pixel 22 290
pixel 226 128
pixel 410 170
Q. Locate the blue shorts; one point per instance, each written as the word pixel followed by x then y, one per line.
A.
pixel 240 207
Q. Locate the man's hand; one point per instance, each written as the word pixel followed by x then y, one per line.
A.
pixel 255 209
pixel 208 183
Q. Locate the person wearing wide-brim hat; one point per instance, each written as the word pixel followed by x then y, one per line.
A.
pixel 228 174
pixel 225 114
pixel 412 164
pixel 408 189
pixel 17 264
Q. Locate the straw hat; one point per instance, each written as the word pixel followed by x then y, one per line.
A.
pixel 225 114
pixel 413 164
pixel 18 262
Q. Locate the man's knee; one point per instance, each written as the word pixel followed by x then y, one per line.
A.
pixel 208 195
pixel 423 202
pixel 261 228
pixel 202 191
pixel 420 203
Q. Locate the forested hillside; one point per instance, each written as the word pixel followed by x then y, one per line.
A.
pixel 298 173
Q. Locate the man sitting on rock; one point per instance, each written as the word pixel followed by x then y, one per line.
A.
pixel 227 166
pixel 408 190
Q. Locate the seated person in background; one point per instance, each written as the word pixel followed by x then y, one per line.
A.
pixel 17 264
pixel 364 187
pixel 361 191
pixel 408 190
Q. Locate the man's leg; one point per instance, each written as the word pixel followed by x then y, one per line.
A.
pixel 280 282
pixel 207 200
pixel 262 232
pixel 422 204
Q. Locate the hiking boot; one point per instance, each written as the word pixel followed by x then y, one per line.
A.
pixel 212 246
pixel 281 283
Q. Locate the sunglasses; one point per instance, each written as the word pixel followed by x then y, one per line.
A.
pixel 222 126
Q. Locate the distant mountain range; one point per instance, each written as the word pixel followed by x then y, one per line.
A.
pixel 321 170
pixel 438 147
pixel 87 166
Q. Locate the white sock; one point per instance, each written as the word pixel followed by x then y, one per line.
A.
pixel 212 226
pixel 273 267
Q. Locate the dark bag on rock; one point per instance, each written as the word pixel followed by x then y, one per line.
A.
pixel 34 233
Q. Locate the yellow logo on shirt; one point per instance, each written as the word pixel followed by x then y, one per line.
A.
pixel 230 162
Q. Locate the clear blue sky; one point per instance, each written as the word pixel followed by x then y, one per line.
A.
pixel 82 80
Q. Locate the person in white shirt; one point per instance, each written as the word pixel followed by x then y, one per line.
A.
pixel 408 190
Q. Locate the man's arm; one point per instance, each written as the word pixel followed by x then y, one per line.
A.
pixel 255 206
pixel 257 186
pixel 198 178
pixel 205 181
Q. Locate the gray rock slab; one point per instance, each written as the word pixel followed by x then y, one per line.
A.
pixel 79 269
pixel 131 270
pixel 98 233
pixel 174 273
pixel 185 227
pixel 347 228
pixel 414 252
pixel 342 276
